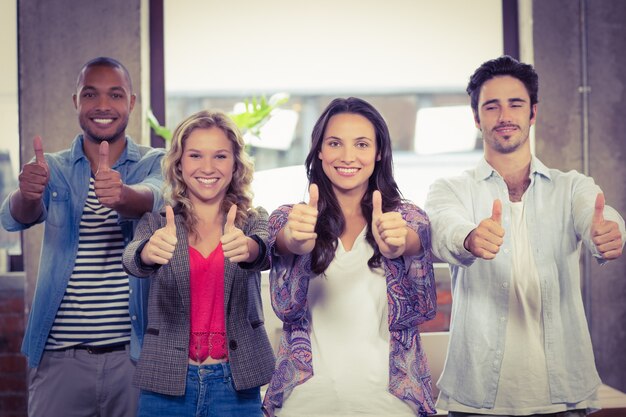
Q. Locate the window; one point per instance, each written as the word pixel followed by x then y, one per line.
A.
pixel 10 145
pixel 410 58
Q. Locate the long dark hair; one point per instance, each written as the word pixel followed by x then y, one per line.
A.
pixel 333 224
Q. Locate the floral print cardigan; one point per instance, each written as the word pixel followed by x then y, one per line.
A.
pixel 411 298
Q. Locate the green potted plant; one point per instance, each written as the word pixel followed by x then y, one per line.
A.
pixel 256 113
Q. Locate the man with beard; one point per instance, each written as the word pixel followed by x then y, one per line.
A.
pixel 511 231
pixel 87 315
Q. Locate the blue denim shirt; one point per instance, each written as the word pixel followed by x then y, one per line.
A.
pixel 560 207
pixel 63 200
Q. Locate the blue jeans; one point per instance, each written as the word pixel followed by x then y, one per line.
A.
pixel 209 393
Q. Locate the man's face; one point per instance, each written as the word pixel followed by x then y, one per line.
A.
pixel 104 101
pixel 504 114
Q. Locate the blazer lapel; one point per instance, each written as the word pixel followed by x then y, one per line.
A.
pixel 180 269
pixel 230 269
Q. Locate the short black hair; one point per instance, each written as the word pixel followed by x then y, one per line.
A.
pixel 104 61
pixel 504 65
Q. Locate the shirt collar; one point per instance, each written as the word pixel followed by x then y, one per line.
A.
pixel 131 151
pixel 537 167
pixel 484 170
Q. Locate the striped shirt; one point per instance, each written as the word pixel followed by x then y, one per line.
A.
pixel 94 309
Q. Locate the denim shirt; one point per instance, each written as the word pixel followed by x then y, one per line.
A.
pixel 63 200
pixel 560 207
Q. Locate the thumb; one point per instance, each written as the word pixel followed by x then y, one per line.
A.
pixel 313 195
pixel 103 161
pixel 598 213
pixel 230 218
pixel 377 205
pixel 496 211
pixel 38 147
pixel 170 224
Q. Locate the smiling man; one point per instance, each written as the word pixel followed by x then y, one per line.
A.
pixel 511 231
pixel 87 315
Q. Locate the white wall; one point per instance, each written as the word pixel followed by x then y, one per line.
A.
pixel 8 81
pixel 327 45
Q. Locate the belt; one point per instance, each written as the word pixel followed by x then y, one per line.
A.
pixel 97 350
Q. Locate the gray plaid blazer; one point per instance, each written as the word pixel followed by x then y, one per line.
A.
pixel 162 365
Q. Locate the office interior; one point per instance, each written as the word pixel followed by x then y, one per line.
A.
pixel 405 56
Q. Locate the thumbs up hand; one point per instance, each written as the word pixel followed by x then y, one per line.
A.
pixel 160 247
pixel 299 232
pixel 605 234
pixel 485 241
pixel 35 175
pixel 108 184
pixel 234 241
pixel 496 212
pixel 389 229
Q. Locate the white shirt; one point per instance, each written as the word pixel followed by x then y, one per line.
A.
pixel 349 341
pixel 523 387
pixel 559 208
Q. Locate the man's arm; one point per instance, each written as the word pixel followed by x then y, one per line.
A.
pixel 130 201
pixel 23 210
pixel 26 203
pixel 485 240
pixel 600 226
pixel 450 223
pixel 135 200
pixel 605 234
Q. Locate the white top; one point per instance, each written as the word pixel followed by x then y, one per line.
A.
pixel 349 341
pixel 523 386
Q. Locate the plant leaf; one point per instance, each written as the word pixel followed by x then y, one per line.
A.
pixel 162 131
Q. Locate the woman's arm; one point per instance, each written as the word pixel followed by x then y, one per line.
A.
pixel 290 274
pixel 411 278
pixel 257 239
pixel 131 258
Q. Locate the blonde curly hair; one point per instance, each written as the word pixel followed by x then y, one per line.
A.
pixel 239 191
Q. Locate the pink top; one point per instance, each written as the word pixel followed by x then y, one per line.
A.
pixel 206 288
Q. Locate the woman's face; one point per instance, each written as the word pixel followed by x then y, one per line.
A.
pixel 349 153
pixel 207 165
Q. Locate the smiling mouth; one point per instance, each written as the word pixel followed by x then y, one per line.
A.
pixel 506 129
pixel 207 181
pixel 102 121
pixel 347 171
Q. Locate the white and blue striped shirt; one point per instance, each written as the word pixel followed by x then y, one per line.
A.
pixel 94 309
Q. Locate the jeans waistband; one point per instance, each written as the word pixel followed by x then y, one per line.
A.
pixel 216 370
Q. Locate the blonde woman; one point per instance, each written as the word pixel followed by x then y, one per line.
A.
pixel 205 351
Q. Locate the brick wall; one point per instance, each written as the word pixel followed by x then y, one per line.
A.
pixel 13 391
pixel 441 322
